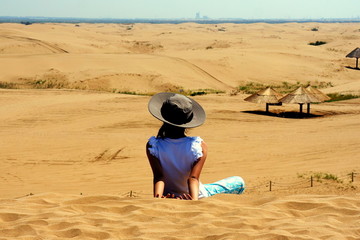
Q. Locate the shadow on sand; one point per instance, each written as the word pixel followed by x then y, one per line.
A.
pixel 352 68
pixel 294 115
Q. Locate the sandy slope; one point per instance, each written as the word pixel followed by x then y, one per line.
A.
pixel 91 144
pixel 116 217
pixel 73 162
pixel 187 56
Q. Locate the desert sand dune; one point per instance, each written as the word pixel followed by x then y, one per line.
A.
pixel 73 163
pixel 265 53
pixel 118 217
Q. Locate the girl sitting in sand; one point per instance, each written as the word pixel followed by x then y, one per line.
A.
pixel 176 159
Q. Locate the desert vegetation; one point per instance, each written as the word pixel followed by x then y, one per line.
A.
pixel 317 43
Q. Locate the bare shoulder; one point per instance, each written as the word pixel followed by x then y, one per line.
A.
pixel 204 148
pixel 203 145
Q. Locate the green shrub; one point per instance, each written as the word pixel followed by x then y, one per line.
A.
pixel 320 176
pixel 340 97
pixel 198 93
pixel 49 83
pixel 132 93
pixel 317 43
pixel 201 92
pixel 8 85
pixel 251 87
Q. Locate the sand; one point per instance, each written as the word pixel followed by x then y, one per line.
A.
pixel 73 161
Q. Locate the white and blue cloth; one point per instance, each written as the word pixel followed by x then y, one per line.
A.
pixel 230 185
pixel 177 156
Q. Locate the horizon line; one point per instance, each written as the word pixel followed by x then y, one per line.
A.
pixel 200 18
pixel 42 19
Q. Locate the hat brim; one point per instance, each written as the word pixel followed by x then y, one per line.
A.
pixel 157 101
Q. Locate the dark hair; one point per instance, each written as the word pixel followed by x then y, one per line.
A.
pixel 170 131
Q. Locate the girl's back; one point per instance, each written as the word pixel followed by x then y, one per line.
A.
pixel 177 157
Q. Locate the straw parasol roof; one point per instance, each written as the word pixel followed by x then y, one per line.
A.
pixel 300 96
pixel 318 94
pixel 355 54
pixel 268 95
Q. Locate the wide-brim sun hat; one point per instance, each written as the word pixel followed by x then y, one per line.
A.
pixel 177 110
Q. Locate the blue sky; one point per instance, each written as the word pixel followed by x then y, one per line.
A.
pixel 249 9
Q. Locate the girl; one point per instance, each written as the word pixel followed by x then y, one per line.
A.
pixel 176 159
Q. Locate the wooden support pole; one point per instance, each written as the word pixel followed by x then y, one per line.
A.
pixel 357 62
pixel 352 177
pixel 311 181
pixel 267 107
pixel 308 108
pixel 301 107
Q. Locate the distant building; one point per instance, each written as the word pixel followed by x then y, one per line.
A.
pixel 197 16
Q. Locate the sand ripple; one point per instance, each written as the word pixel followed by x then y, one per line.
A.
pixel 55 216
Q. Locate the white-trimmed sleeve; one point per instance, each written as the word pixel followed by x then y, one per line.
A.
pixel 153 141
pixel 196 148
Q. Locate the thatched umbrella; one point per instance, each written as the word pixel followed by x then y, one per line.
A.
pixel 300 96
pixel 268 96
pixel 318 94
pixel 355 54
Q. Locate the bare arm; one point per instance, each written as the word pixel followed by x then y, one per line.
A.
pixel 159 183
pixel 193 180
